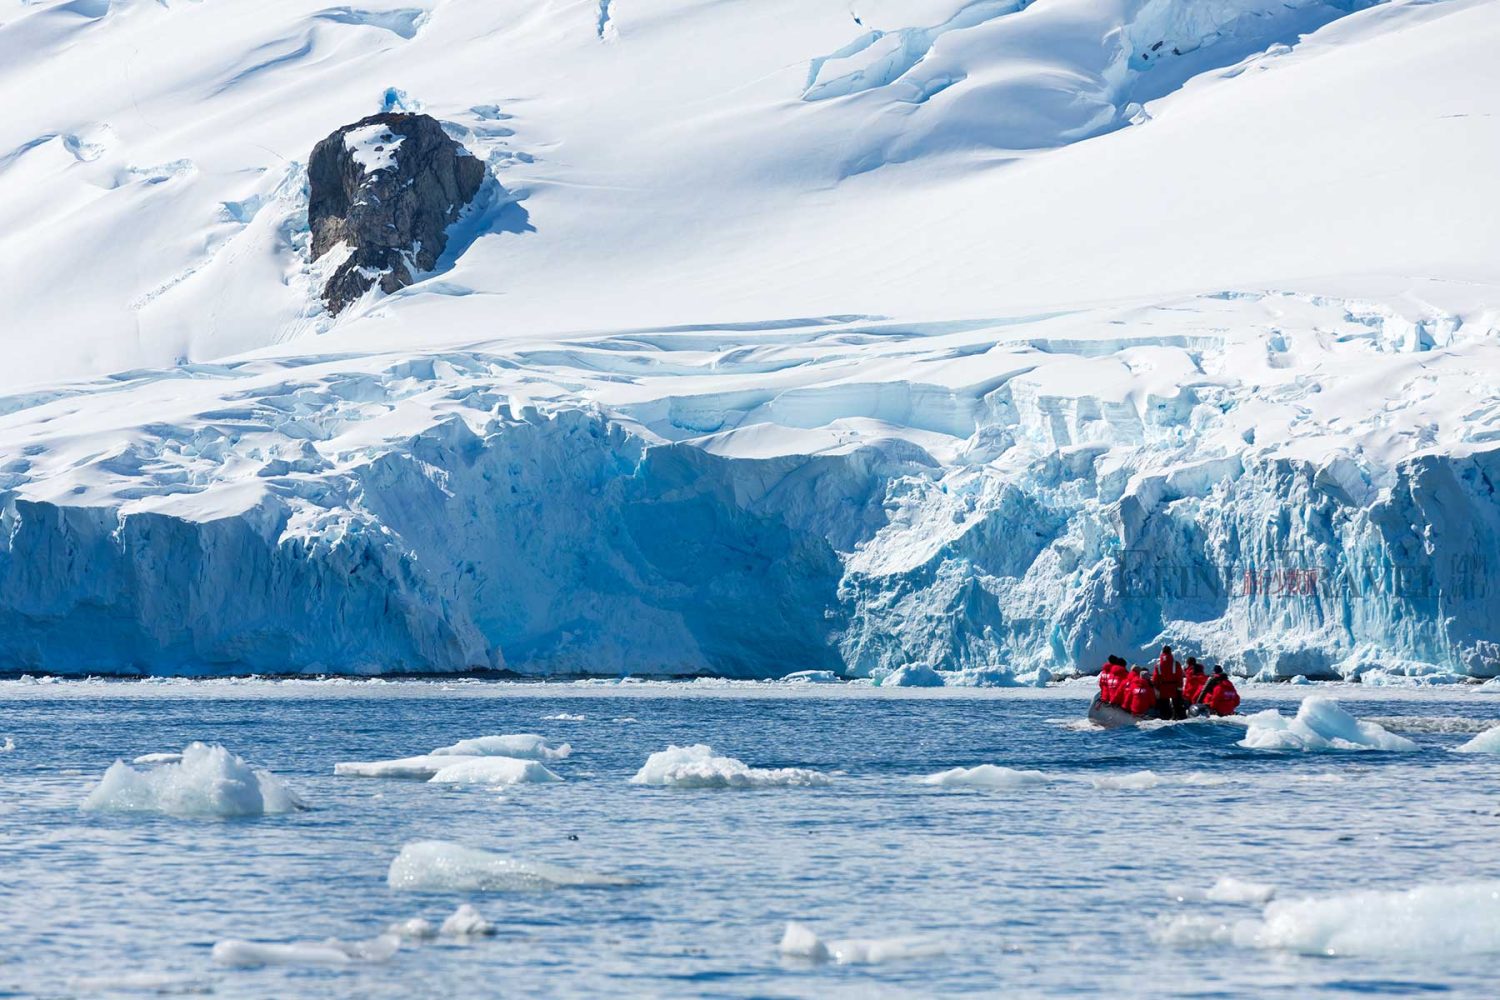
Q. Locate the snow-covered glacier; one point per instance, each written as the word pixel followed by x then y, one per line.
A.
pixel 904 336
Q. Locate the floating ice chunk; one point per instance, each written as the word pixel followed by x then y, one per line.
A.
pixel 413 929
pixel 466 921
pixel 208 781
pixel 141 983
pixel 8 745
pixel 1192 929
pixel 494 771
pixel 985 776
pixel 1135 781
pixel 441 866
pixel 799 941
pixel 697 767
pixel 421 768
pixel 1486 742
pixel 1427 921
pixel 911 675
pixel 527 746
pixel 249 954
pixel 1319 725
pixel 1225 890
pixel 563 717
pixel 158 758
pixel 811 677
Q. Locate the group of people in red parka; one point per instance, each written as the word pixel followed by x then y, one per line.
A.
pixel 1171 691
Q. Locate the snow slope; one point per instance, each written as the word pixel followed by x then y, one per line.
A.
pixel 811 336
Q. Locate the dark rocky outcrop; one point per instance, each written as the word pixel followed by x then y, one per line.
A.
pixel 388 186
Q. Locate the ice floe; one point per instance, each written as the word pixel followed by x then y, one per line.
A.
pixel 697 767
pixel 207 781
pixel 8 745
pixel 527 746
pixel 564 717
pixel 800 941
pixel 989 776
pixel 1318 725
pixel 158 758
pixel 494 771
pixel 1226 890
pixel 1486 742
pixel 250 954
pixel 466 921
pixel 442 866
pixel 1429 920
pixel 420 768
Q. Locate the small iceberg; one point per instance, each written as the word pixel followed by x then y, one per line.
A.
pixel 526 746
pixel 158 758
pixel 420 768
pixel 441 866
pixel 207 781
pixel 1135 781
pixel 697 767
pixel 1226 890
pixel 252 954
pixel 1486 742
pixel 1319 725
pixel 464 922
pixel 1424 922
pixel 799 941
pixel 988 776
pixel 467 921
pixel 811 677
pixel 494 771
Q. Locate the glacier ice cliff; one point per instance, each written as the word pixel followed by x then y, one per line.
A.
pixel 1021 496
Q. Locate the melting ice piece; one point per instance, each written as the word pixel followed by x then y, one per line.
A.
pixel 1319 725
pixel 413 929
pixel 249 954
pixel 1486 742
pixel 985 776
pixel 1226 890
pixel 527 746
pixel 421 768
pixel 697 767
pixel 1136 781
pixel 799 941
pixel 494 771
pixel 158 758
pixel 441 866
pixel 1427 921
pixel 466 921
pixel 207 781
pixel 564 717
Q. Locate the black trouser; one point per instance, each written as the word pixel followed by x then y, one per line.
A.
pixel 1171 707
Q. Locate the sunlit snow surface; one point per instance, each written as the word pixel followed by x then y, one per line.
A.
pixel 911 889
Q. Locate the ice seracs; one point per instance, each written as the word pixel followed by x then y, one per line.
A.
pixel 697 766
pixel 208 781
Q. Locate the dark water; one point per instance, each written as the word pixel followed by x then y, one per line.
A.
pixel 1052 890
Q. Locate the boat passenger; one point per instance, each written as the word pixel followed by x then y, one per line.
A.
pixel 1167 680
pixel 1193 682
pixel 1223 699
pixel 1141 696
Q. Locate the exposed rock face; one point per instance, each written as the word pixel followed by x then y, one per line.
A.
pixel 387 187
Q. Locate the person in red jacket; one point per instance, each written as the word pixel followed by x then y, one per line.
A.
pixel 1219 694
pixel 1122 684
pixel 1108 681
pixel 1141 696
pixel 1193 681
pixel 1167 680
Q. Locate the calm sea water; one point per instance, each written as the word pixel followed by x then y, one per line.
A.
pixel 1049 890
